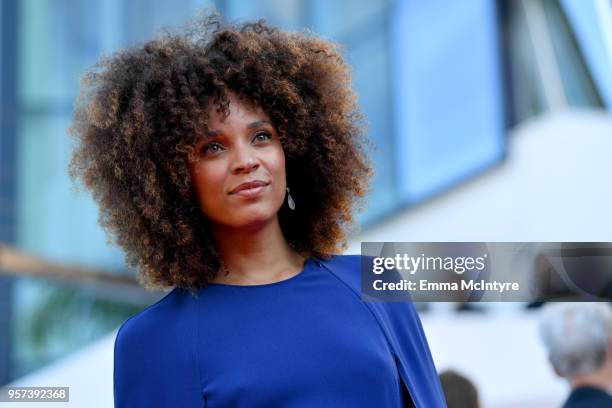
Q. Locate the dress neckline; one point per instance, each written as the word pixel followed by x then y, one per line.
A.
pixel 289 280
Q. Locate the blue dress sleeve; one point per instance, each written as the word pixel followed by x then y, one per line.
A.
pixel 416 364
pixel 154 364
pixel 402 328
pixel 405 333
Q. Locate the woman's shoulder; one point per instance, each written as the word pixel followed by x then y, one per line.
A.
pixel 346 261
pixel 153 320
pixel 154 355
pixel 348 268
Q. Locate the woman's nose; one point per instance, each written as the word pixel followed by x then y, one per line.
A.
pixel 245 162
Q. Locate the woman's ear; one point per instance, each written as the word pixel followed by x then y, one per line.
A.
pixel 609 349
pixel 555 369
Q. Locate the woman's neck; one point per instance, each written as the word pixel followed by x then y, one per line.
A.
pixel 256 255
pixel 601 379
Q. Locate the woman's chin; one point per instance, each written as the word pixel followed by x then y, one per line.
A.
pixel 255 224
pixel 255 220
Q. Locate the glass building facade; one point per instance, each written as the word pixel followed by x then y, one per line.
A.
pixel 440 83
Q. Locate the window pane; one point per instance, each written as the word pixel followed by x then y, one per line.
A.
pixel 368 57
pixel 448 93
pixel 288 14
pixel 335 18
pixel 591 23
pixel 527 97
pixel 577 81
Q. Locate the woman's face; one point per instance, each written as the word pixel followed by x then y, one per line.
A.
pixel 245 147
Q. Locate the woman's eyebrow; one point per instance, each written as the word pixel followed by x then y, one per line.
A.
pixel 252 125
pixel 258 123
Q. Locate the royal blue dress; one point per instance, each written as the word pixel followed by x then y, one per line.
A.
pixel 307 341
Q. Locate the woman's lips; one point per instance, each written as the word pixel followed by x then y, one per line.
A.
pixel 251 192
pixel 249 184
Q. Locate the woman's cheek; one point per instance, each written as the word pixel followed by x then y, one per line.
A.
pixel 208 185
pixel 278 160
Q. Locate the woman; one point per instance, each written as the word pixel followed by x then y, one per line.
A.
pixel 226 162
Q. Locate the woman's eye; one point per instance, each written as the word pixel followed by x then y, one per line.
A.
pixel 212 148
pixel 261 136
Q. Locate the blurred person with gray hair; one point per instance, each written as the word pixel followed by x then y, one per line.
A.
pixel 459 391
pixel 578 338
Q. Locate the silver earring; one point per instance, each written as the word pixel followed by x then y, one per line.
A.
pixel 290 201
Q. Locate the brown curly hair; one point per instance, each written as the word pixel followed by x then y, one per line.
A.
pixel 141 111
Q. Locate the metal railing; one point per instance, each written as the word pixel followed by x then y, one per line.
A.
pixel 117 285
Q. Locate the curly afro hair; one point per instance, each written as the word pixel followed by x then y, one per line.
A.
pixel 141 111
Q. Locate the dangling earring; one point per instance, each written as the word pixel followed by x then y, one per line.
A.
pixel 290 201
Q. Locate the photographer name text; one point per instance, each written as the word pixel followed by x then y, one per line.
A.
pixel 425 285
